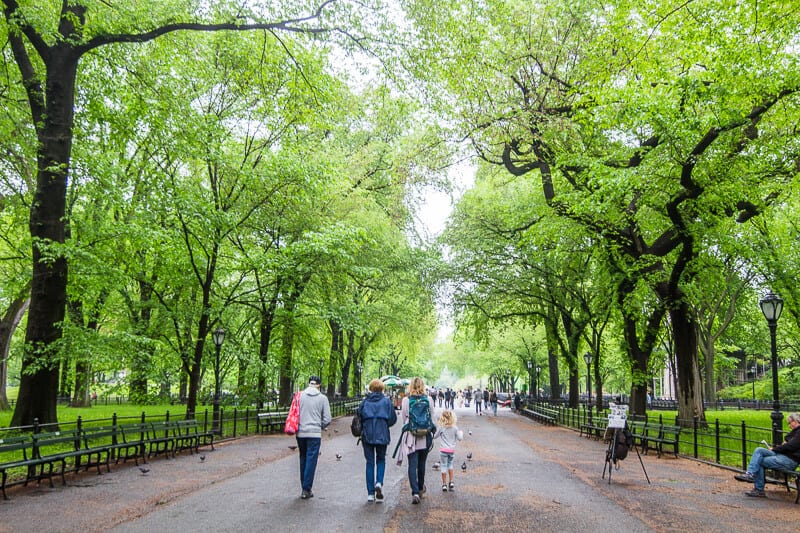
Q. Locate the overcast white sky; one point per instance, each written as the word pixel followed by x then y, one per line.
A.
pixel 437 205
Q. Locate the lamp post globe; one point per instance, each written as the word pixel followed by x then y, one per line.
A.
pixel 218 336
pixel 587 357
pixel 772 306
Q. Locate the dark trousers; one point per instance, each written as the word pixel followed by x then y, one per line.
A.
pixel 375 454
pixel 416 470
pixel 309 452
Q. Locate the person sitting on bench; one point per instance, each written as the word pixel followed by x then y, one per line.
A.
pixel 784 456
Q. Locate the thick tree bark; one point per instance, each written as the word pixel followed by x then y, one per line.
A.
pixel 336 355
pixel 8 325
pixel 690 398
pixel 265 336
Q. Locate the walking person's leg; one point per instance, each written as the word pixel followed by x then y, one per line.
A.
pixel 422 457
pixel 380 463
pixel 301 449
pixel 369 456
pixel 312 453
pixel 413 459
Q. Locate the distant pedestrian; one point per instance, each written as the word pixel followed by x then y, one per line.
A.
pixel 485 398
pixel 315 415
pixel 378 415
pixel 448 435
pixel 478 402
pixel 517 401
pixel 441 397
pixel 493 401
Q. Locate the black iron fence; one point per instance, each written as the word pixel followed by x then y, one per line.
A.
pixel 724 444
pixel 234 422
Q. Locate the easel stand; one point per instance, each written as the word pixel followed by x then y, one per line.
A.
pixel 611 459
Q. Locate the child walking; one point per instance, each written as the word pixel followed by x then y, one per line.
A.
pixel 448 435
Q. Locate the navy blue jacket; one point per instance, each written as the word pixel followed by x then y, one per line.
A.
pixel 378 415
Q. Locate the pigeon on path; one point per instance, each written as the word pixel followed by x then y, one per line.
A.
pixel 338 456
pixel 469 456
pixel 144 470
pixel 464 466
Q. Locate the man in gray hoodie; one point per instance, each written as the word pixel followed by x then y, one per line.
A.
pixel 315 415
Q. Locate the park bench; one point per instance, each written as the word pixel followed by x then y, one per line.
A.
pixel 188 436
pixel 17 454
pixel 595 429
pixel 657 437
pixel 271 421
pixel 670 436
pixel 637 429
pixel 540 415
pixel 61 447
pixel 161 438
pixel 782 477
pixel 134 437
pixel 111 438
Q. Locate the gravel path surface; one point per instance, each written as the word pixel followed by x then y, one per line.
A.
pixel 522 477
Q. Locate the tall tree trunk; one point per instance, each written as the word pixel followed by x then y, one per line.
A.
pixel 690 398
pixel 83 380
pixel 8 325
pixel 336 356
pixel 264 338
pixel 141 360
pixel 54 115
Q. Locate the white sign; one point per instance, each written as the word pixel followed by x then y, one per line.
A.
pixel 617 416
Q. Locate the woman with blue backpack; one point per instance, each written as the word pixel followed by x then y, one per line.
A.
pixel 377 416
pixel 417 436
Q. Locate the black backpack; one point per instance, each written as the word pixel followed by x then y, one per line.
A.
pixel 357 424
pixel 623 444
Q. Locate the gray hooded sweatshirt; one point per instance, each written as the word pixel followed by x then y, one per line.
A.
pixel 315 413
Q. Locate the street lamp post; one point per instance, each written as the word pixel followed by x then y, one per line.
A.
pixel 530 377
pixel 587 357
pixel 359 366
pixel 508 380
pixel 218 336
pixel 754 369
pixel 772 305
pixel 538 371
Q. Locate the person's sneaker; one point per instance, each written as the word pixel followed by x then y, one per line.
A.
pixel 415 498
pixel 747 477
pixel 371 498
pixel 452 486
pixel 378 497
pixel 444 487
pixel 306 495
pixel 379 492
pixel 755 493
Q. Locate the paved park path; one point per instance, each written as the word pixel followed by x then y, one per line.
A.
pixel 522 477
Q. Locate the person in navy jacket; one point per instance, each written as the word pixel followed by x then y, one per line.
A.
pixel 378 415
